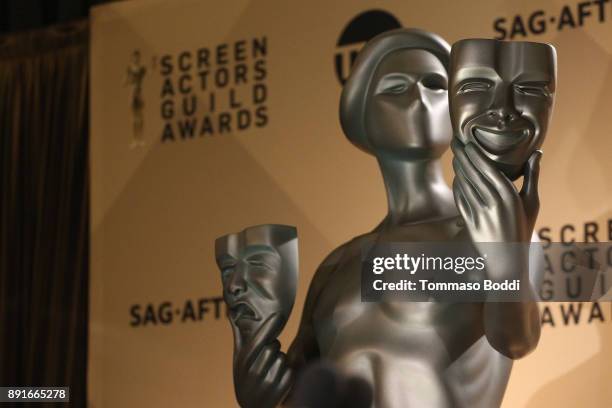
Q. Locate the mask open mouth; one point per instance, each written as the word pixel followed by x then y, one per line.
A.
pixel 243 310
pixel 499 141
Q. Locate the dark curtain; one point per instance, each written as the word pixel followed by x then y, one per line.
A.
pixel 20 15
pixel 44 209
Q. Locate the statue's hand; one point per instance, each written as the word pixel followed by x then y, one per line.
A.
pixel 261 374
pixel 488 201
pixel 495 212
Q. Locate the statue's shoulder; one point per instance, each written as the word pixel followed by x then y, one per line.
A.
pixel 336 258
pixel 349 249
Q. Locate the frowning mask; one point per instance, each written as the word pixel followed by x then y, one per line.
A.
pixel 259 270
pixel 501 98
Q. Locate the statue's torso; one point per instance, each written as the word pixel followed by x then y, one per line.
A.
pixel 415 354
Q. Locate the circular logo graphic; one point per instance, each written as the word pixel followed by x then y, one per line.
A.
pixel 357 32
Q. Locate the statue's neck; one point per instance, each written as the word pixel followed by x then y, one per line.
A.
pixel 416 191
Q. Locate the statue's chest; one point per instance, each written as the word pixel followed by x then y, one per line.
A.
pixel 342 318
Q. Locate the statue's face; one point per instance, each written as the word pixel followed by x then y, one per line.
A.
pixel 257 280
pixel 501 98
pixel 407 107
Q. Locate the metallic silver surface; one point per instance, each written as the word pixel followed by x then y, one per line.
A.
pixel 259 270
pixel 501 98
pixel 395 107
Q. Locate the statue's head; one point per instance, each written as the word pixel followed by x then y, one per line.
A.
pixel 136 56
pixel 395 102
pixel 501 98
pixel 259 271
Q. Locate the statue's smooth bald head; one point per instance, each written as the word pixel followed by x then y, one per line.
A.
pixel 501 98
pixel 395 101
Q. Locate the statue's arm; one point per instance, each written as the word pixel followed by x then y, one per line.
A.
pixel 513 328
pixel 305 348
pixel 500 221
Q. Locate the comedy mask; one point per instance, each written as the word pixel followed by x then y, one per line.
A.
pixel 501 98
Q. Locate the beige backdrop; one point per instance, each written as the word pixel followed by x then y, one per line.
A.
pixel 156 209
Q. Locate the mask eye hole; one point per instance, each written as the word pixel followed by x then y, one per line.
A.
pixel 435 82
pixel 263 261
pixel 226 271
pixel 396 89
pixel 393 84
pixel 474 86
pixel 226 264
pixel 533 89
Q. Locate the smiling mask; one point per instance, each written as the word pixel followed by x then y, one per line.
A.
pixel 501 98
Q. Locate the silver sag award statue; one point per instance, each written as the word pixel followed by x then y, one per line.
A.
pixel 395 107
pixel 259 271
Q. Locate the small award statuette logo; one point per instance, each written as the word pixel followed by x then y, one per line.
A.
pixel 134 78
